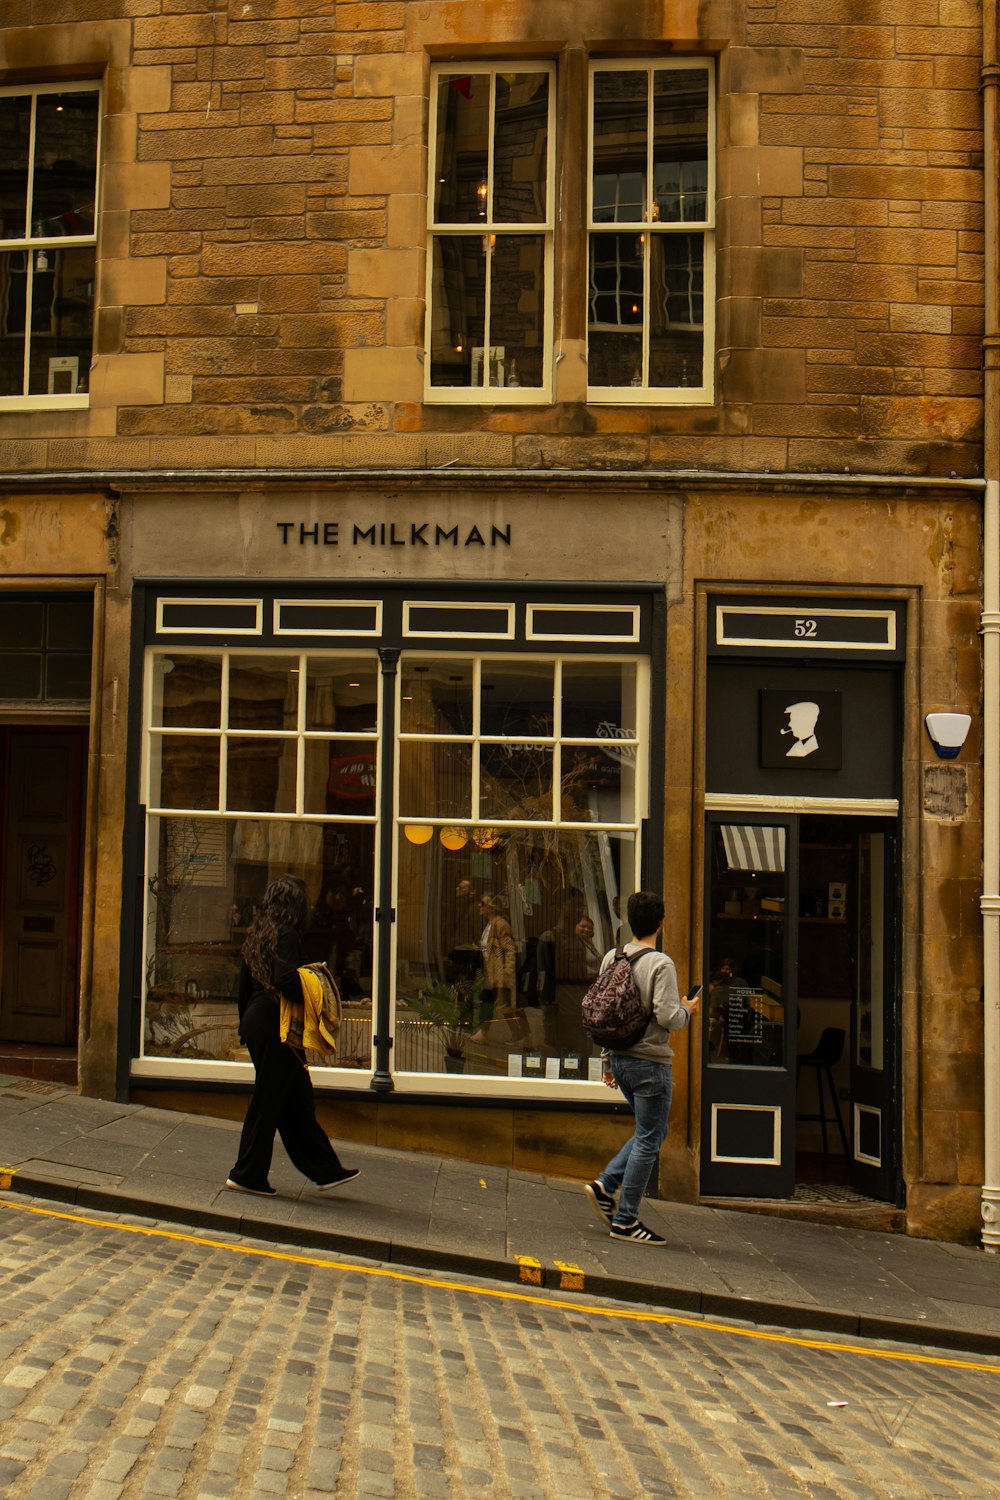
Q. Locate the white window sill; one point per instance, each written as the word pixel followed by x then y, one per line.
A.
pixel 45 403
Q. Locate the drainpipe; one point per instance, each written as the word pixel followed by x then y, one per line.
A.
pixel 991 638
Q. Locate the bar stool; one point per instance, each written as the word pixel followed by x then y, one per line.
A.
pixel 824 1058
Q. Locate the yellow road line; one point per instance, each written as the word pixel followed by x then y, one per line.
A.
pixel 501 1294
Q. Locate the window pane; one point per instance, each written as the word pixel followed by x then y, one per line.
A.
pixel 556 901
pixel 22 622
pixel 517 697
pixel 614 340
pixel 15 126
pixel 598 784
pixel 62 320
pixel 517 310
pixel 620 147
pixel 189 771
pixel 436 696
pixel 680 144
pixel 458 310
pixel 599 700
pixel 263 692
pixel 67 675
pixel 520 153
pixel 69 623
pixel 261 775
pixel 463 133
pixel 515 781
pixel 204 879
pixel 21 676
pixel 435 780
pixel 340 777
pixel 677 310
pixel 187 691
pixel 62 198
pixel 342 694
pixel 744 1015
pixel 13 294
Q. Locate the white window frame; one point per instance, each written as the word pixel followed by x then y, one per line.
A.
pixel 486 394
pixel 34 244
pixel 644 394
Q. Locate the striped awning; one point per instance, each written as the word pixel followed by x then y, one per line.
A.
pixel 753 846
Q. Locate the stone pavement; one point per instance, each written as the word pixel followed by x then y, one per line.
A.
pixel 432 1212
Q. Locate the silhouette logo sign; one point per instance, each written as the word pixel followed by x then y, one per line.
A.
pixel 800 728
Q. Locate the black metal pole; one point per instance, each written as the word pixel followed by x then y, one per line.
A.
pixel 384 913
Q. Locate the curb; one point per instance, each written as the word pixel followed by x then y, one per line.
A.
pixel 523 1270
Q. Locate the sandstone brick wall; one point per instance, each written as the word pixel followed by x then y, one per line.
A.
pixel 262 238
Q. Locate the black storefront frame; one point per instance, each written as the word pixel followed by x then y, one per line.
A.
pixel 852 623
pixel 648 600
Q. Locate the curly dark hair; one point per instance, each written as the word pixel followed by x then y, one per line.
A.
pixel 284 905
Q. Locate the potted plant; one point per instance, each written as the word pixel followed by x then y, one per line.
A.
pixel 450 1008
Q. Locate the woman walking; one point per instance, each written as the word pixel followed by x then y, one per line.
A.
pixel 282 1098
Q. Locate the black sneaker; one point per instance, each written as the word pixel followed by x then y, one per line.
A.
pixel 267 1191
pixel 336 1182
pixel 601 1201
pixel 636 1232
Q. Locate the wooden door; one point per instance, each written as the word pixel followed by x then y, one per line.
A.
pixel 40 903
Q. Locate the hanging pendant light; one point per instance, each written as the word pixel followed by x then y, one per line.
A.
pixel 453 838
pixel 418 833
pixel 486 838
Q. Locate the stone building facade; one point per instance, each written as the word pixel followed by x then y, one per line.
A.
pixel 461 436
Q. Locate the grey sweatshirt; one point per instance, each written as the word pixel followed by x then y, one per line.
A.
pixel 656 981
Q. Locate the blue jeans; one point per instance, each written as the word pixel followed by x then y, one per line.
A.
pixel 648 1088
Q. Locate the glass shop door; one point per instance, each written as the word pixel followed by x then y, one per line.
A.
pixel 749 1007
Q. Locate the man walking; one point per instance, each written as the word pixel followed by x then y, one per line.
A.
pixel 643 1073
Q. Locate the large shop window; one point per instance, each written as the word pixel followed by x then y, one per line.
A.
pixel 48 243
pixel 518 796
pixel 651 243
pixel 491 224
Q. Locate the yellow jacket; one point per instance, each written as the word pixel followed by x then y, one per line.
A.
pixel 314 1026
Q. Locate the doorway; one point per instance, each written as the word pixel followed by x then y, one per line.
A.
pixel 799 1076
pixel 40 836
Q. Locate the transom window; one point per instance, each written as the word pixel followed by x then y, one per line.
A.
pixel 651 215
pixel 48 238
pixel 490 263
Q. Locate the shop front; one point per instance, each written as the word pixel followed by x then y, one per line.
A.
pixel 801 912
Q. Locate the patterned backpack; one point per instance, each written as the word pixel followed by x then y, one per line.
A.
pixel 612 1009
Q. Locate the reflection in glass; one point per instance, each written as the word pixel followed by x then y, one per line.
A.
pixel 204 877
pixel 515 781
pixel 744 1010
pixel 614 339
pixel 342 694
pixel 520 148
pixel 677 310
pixel 435 696
pixel 517 697
pixel 598 784
pixel 458 317
pixel 556 901
pixel 188 771
pixel 13 312
pixel 599 700
pixel 15 128
pixel 620 146
pixel 680 144
pixel 517 310
pixel 187 691
pixel 340 777
pixel 62 319
pixel 435 780
pixel 62 191
pixel 261 774
pixel 462 162
pixel 263 692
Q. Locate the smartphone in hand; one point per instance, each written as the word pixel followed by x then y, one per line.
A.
pixel 693 994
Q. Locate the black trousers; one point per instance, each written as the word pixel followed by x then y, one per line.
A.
pixel 282 1101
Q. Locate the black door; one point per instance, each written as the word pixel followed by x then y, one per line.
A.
pixel 749 1007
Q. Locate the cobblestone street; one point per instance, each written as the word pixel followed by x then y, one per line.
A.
pixel 139 1361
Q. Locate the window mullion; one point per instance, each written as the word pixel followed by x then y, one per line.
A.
pixel 223 734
